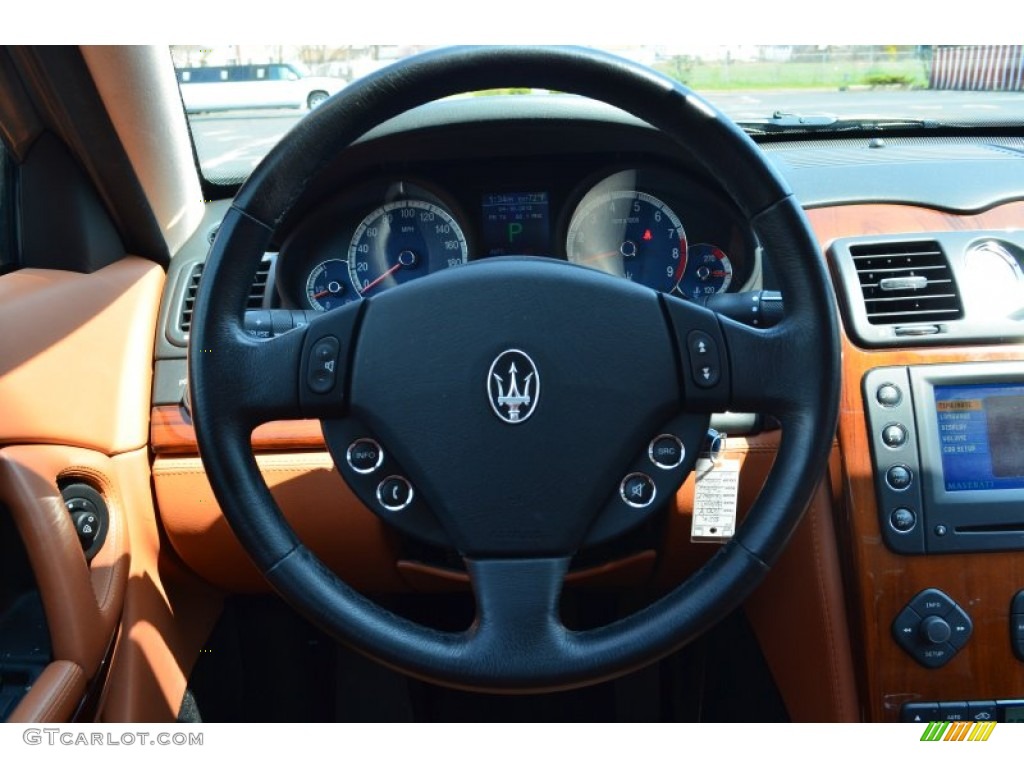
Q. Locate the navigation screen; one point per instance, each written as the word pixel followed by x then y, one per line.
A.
pixel 981 434
pixel 516 223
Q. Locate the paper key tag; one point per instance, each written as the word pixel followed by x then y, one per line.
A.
pixel 714 500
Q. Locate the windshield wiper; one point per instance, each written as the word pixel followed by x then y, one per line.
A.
pixel 794 122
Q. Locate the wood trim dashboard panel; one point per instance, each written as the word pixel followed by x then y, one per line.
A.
pixel 881 582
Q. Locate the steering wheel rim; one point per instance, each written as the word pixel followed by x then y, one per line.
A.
pixel 517 642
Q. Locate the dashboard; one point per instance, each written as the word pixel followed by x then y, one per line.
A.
pixel 642 220
pixel 585 184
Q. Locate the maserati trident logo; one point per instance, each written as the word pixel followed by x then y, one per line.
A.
pixel 513 386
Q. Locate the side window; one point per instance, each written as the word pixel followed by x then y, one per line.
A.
pixel 8 255
pixel 224 74
pixel 261 73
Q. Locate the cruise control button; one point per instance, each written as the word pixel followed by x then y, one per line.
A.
pixel 365 455
pixel 666 451
pixel 637 490
pixel 894 435
pixel 259 323
pixel 394 493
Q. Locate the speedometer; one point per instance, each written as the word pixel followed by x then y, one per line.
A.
pixel 403 240
pixel 631 234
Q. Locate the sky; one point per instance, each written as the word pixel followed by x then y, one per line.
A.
pixel 511 21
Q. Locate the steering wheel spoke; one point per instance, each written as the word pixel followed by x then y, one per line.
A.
pixel 517 603
pixel 765 367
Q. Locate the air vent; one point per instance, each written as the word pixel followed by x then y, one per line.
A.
pixel 906 283
pixel 188 304
pixel 256 293
pixel 259 285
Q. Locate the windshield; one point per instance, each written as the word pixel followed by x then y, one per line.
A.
pixel 241 99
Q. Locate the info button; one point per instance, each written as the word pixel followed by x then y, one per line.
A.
pixel 365 455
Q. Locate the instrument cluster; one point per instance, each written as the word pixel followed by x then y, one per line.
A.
pixel 652 225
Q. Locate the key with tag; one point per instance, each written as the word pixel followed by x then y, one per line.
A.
pixel 715 492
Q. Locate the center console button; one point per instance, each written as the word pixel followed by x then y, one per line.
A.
pixel 935 630
pixel 932 602
pixel 982 711
pixel 898 477
pixel 894 435
pixel 953 710
pixel 903 519
pixel 888 395
pixel 920 712
pixel 960 627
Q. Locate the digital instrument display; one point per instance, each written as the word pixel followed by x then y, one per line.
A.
pixel 981 436
pixel 516 223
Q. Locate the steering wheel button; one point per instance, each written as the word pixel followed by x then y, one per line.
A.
pixel 323 365
pixel 394 493
pixel 705 365
pixel 637 490
pixel 365 455
pixel 666 451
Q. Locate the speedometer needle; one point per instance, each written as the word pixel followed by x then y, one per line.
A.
pixel 374 282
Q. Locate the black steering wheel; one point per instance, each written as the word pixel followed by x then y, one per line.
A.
pixel 526 429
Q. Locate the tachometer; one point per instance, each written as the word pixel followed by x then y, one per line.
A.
pixel 708 271
pixel 402 240
pixel 631 234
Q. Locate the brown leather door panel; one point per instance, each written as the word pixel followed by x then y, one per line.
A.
pixel 76 355
pixel 75 377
